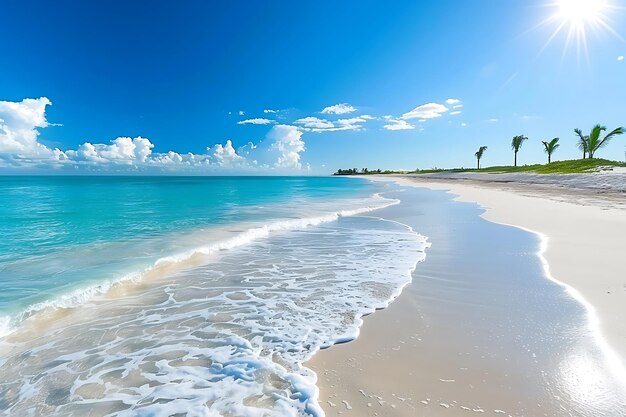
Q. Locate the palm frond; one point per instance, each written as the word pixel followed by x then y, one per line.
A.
pixel 607 138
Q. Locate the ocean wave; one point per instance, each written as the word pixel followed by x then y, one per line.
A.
pixel 229 337
pixel 83 295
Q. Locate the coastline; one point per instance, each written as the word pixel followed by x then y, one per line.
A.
pixel 579 236
pixel 567 220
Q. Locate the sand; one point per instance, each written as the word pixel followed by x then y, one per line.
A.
pixel 583 241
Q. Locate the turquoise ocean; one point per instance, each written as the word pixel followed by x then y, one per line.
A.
pixel 150 296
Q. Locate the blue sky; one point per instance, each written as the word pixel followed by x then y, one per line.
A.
pixel 173 79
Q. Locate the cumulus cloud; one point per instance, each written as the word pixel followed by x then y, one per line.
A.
pixel 266 111
pixel 226 155
pixel 287 140
pixel 175 161
pixel 453 101
pixel 342 108
pixel 122 150
pixel 454 113
pixel 426 111
pixel 256 121
pixel 20 148
pixel 620 58
pixel 397 124
pixel 19 124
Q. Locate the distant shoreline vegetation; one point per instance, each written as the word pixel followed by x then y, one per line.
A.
pixel 588 144
pixel 576 166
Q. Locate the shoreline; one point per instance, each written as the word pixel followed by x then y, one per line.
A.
pixel 608 325
pixel 578 232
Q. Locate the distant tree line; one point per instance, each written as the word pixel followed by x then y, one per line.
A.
pixel 355 171
pixel 588 144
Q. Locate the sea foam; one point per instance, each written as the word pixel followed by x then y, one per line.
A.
pixel 227 337
pixel 82 295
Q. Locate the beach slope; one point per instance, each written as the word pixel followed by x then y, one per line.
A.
pixel 581 236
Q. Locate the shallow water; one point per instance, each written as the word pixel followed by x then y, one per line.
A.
pixel 226 313
pixel 215 332
pixel 490 320
pixel 68 238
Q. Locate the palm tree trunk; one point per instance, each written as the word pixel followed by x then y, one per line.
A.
pixel 549 158
pixel 478 166
pixel 515 158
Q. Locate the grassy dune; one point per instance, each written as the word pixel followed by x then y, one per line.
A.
pixel 576 166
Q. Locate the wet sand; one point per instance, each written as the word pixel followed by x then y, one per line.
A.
pixel 482 329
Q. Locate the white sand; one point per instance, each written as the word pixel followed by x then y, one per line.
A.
pixel 584 244
pixel 388 371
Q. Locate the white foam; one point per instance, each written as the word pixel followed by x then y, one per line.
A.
pixel 83 295
pixel 226 338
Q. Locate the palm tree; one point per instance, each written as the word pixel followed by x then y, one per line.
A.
pixel 550 147
pixel 594 142
pixel 479 154
pixel 582 142
pixel 516 143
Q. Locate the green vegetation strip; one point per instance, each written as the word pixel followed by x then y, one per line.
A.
pixel 577 166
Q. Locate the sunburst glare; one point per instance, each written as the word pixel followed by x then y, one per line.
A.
pixel 576 18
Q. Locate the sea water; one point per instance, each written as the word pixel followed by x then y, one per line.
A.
pixel 186 296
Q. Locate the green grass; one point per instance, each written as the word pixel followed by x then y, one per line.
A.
pixel 576 166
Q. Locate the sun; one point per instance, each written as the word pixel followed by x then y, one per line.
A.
pixel 579 12
pixel 576 18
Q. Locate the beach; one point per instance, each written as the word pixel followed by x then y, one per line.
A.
pixel 308 296
pixel 187 296
pixel 442 348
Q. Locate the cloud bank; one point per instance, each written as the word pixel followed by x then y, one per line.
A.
pixel 280 150
pixel 20 148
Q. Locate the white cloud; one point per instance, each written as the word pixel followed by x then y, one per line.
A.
pixel 19 122
pixel 288 141
pixel 463 124
pixel 342 108
pixel 398 124
pixel 266 111
pixel 353 123
pixel 620 58
pixel 241 112
pixel 453 101
pixel 256 121
pixel 454 113
pixel 226 155
pixel 426 111
pixel 492 120
pixel 123 150
pixel 314 123
pixel 20 148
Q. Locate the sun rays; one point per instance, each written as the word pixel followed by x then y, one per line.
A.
pixel 576 18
